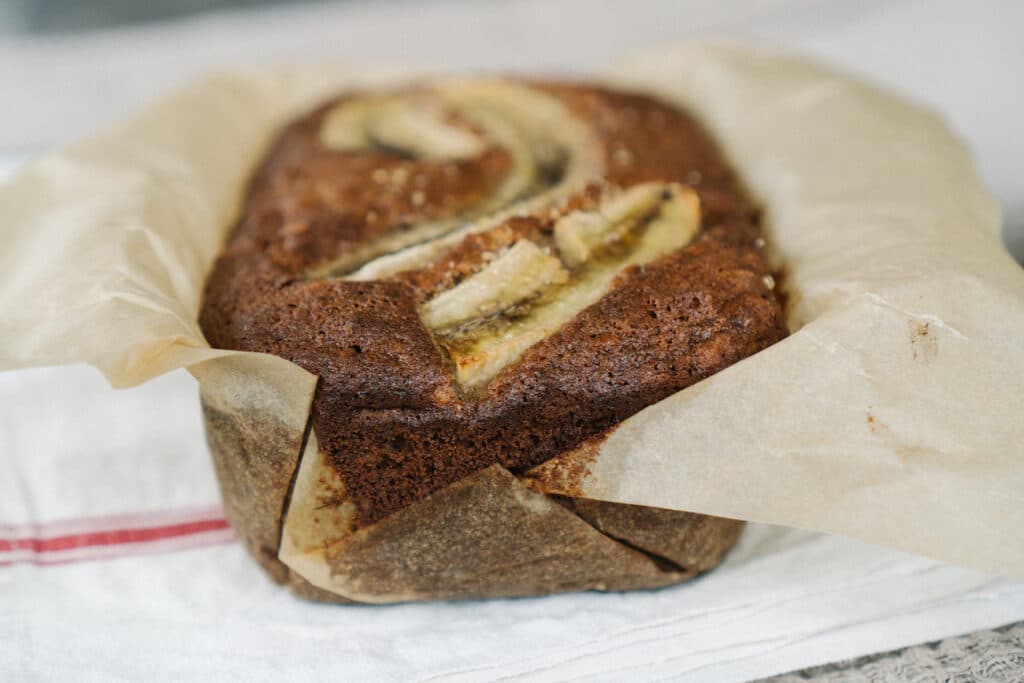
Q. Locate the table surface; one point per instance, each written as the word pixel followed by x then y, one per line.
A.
pixel 69 85
pixel 993 655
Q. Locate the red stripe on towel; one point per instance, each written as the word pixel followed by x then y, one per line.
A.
pixel 97 538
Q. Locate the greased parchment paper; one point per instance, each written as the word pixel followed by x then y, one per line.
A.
pixel 890 415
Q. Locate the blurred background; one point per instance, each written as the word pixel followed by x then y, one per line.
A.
pixel 68 67
pixel 43 16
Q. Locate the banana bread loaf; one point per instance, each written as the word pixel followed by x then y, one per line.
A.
pixel 485 274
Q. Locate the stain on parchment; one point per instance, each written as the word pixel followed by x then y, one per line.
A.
pixel 903 451
pixel 566 473
pixel 333 511
pixel 924 345
pixel 875 426
pixel 912 451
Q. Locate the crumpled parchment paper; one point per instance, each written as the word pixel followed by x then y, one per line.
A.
pixel 891 414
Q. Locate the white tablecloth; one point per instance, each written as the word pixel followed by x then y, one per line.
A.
pixel 117 564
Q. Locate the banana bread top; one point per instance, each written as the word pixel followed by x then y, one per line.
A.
pixel 489 272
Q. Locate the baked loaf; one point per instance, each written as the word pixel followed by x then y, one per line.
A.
pixel 484 275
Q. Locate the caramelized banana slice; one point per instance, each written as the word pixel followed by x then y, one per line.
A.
pixel 407 125
pixel 481 353
pixel 417 126
pixel 537 131
pixel 581 233
pixel 516 276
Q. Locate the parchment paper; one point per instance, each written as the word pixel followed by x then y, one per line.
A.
pixel 890 415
